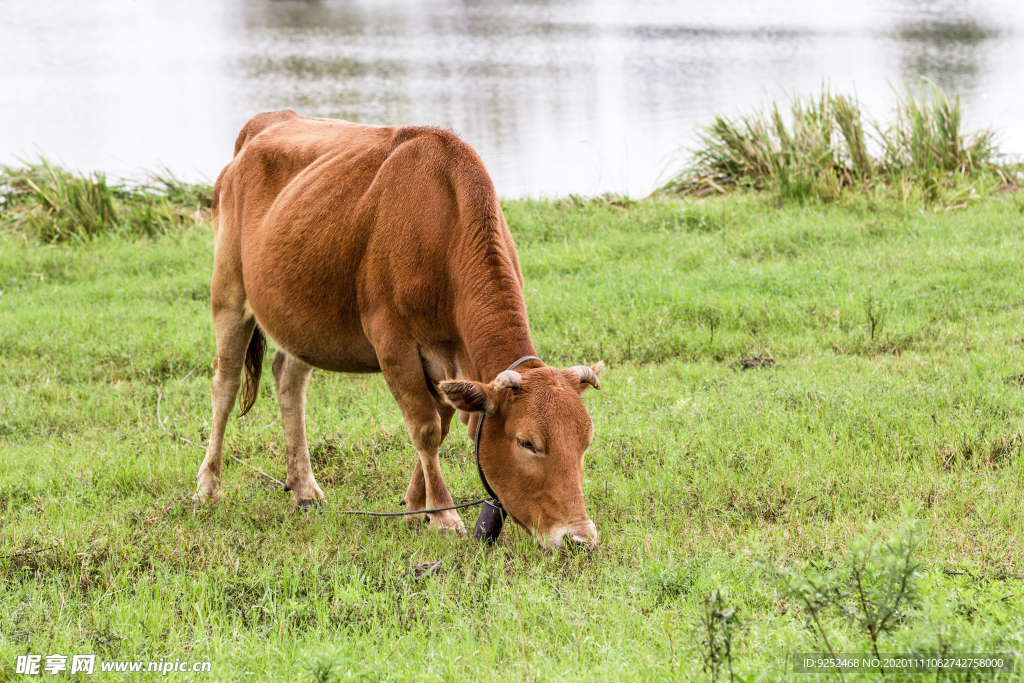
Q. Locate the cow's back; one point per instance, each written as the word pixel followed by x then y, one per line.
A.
pixel 333 224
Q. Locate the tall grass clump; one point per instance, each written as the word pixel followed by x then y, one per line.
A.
pixel 52 204
pixel 928 136
pixel 826 147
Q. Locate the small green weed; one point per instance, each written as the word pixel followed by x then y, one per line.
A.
pixel 874 586
pixel 720 622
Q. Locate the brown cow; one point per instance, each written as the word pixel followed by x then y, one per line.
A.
pixel 367 249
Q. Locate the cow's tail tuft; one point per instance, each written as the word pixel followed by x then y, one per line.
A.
pixel 253 369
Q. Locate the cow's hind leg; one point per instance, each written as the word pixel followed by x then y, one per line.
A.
pixel 291 377
pixel 403 370
pixel 233 325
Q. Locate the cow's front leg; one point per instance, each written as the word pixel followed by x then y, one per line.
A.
pixel 291 376
pixel 416 494
pixel 427 436
pixel 403 371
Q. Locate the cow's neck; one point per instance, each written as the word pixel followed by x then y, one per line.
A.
pixel 493 354
pixel 492 313
pixel 495 329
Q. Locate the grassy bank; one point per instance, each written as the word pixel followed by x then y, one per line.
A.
pixel 46 202
pixel 895 392
pixel 828 149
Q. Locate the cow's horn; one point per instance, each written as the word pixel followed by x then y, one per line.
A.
pixel 509 379
pixel 587 375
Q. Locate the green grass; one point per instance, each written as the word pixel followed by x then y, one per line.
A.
pixel 52 204
pixel 896 390
pixel 828 149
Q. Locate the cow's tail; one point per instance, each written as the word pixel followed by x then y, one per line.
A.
pixel 253 369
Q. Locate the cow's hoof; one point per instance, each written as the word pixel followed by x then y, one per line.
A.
pixel 447 522
pixel 415 520
pixel 306 492
pixel 201 498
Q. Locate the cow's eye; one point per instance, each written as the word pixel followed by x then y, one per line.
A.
pixel 523 443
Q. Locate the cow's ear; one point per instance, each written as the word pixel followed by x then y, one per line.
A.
pixel 469 396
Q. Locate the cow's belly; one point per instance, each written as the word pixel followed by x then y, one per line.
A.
pixel 305 301
pixel 324 338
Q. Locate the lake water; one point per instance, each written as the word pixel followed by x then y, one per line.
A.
pixel 558 97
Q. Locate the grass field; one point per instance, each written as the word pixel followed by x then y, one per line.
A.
pixel 895 399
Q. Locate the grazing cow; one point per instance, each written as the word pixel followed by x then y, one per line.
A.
pixel 368 249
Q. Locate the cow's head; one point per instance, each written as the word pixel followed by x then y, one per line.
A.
pixel 532 445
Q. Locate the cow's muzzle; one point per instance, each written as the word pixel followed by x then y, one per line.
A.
pixel 581 536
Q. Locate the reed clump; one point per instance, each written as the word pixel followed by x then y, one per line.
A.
pixel 52 204
pixel 829 147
